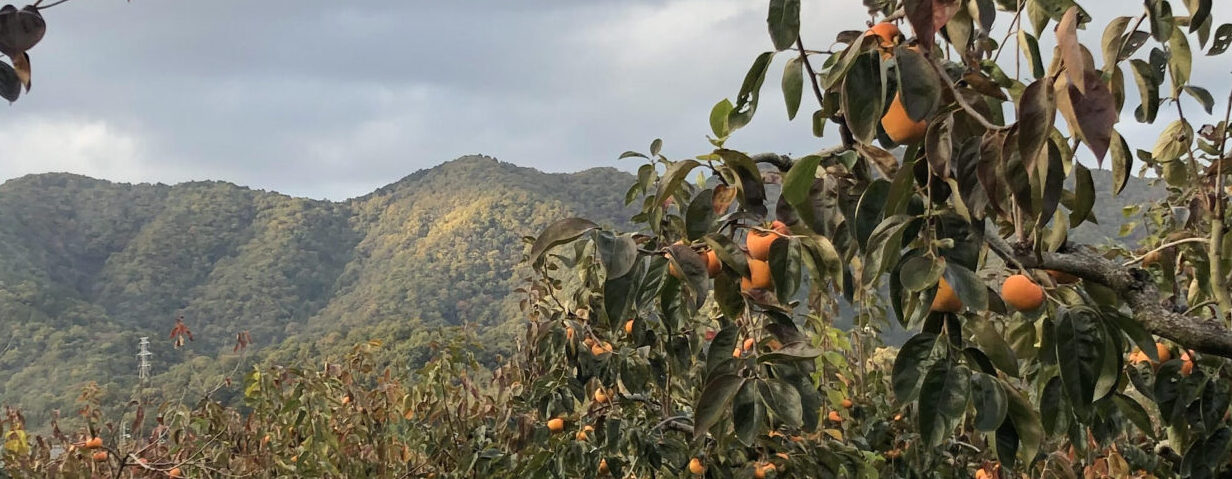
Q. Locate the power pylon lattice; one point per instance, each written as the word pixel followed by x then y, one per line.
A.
pixel 143 359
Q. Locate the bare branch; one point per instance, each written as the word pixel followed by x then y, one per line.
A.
pixel 1134 286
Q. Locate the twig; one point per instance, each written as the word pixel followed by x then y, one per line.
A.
pixel 1164 247
pixel 49 5
pixel 1010 31
pixel 812 74
pixel 945 79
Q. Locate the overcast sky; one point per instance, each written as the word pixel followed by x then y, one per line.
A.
pixel 334 99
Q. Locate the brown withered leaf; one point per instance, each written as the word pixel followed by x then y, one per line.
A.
pixel 723 197
pixel 1071 49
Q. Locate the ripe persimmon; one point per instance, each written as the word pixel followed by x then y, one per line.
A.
pixel 758 242
pixel 93 443
pixel 761 469
pixel 696 467
pixel 759 276
pixel 600 396
pixel 1062 277
pixel 602 466
pixel 847 404
pixel 946 300
pixel 1187 363
pixel 99 456
pixel 1021 293
pixel 834 417
pixel 556 424
pixel 888 33
pixel 175 471
pixel 713 265
pixel 899 126
pixel 629 327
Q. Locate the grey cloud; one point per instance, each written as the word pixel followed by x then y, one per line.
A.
pixel 334 99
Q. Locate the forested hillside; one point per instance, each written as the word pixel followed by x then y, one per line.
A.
pixel 88 266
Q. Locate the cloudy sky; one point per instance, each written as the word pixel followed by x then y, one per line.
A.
pixel 334 99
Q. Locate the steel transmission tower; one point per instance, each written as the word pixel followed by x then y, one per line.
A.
pixel 143 359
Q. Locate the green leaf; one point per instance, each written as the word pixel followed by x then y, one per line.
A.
pixel 793 86
pixel 729 253
pixel 912 360
pixel 825 259
pixel 918 85
pixel 631 154
pixel 1053 412
pixel 1136 414
pixel 714 401
pixel 967 286
pixel 1036 116
pixel 1053 187
pixel 719 351
pixel 864 92
pixel 938 146
pixel 989 400
pixel 869 211
pixel 1173 142
pixel 618 253
pixel 921 272
pixel 1223 38
pixel 883 246
pixel 799 180
pixel 557 233
pixel 1079 347
pixel 718 118
pixel 1026 423
pixel 693 267
pixel 799 351
pixel 748 413
pixel 1114 35
pixel 1200 15
pixel 1148 89
pixel 785 268
pixel 1122 162
pixel 1084 195
pixel 1203 96
pixel 673 177
pixel 993 345
pixel 10 83
pixel 784 23
pixel 783 400
pixel 1161 20
pixel 1030 48
pixel 943 399
pixel 699 216
pixel 1180 62
pixel 746 102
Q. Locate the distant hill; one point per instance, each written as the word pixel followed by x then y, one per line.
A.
pixel 87 267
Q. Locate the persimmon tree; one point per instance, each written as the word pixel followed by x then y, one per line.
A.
pixel 962 160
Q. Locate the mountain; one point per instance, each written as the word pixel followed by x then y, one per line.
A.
pixel 87 267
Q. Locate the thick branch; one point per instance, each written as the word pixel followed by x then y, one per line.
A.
pixel 1135 287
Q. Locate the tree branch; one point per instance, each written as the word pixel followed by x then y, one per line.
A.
pixel 1134 286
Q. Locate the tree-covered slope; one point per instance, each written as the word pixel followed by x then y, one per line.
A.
pixel 87 267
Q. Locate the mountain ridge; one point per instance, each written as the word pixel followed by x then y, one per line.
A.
pixel 87 266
